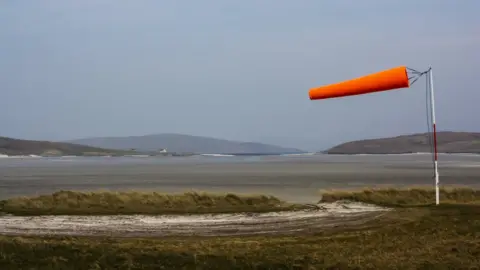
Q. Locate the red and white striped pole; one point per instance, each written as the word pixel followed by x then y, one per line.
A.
pixel 432 100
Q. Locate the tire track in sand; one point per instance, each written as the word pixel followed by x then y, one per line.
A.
pixel 322 216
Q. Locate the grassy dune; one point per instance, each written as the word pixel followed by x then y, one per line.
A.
pixel 395 197
pixel 429 237
pixel 443 237
pixel 113 203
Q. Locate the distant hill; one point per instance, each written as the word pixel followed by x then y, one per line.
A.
pixel 447 141
pixel 16 147
pixel 184 143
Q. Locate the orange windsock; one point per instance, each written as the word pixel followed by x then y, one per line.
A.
pixel 381 81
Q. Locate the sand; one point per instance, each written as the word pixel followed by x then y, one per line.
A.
pixel 323 216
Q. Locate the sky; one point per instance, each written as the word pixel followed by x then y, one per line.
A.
pixel 237 70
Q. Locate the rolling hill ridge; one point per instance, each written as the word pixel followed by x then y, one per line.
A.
pixel 447 141
pixel 181 143
pixel 18 147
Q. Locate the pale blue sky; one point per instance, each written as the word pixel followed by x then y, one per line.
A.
pixel 237 70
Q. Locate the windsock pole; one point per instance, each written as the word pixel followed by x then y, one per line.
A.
pixel 432 100
pixel 395 78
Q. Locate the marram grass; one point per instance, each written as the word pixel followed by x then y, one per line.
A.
pixel 413 196
pixel 153 203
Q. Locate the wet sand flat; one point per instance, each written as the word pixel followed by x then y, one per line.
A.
pixel 295 179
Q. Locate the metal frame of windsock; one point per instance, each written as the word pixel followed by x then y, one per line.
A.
pixel 390 79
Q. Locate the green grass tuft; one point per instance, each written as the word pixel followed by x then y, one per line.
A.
pixel 153 203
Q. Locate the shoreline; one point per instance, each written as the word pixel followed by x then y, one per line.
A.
pixel 244 155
